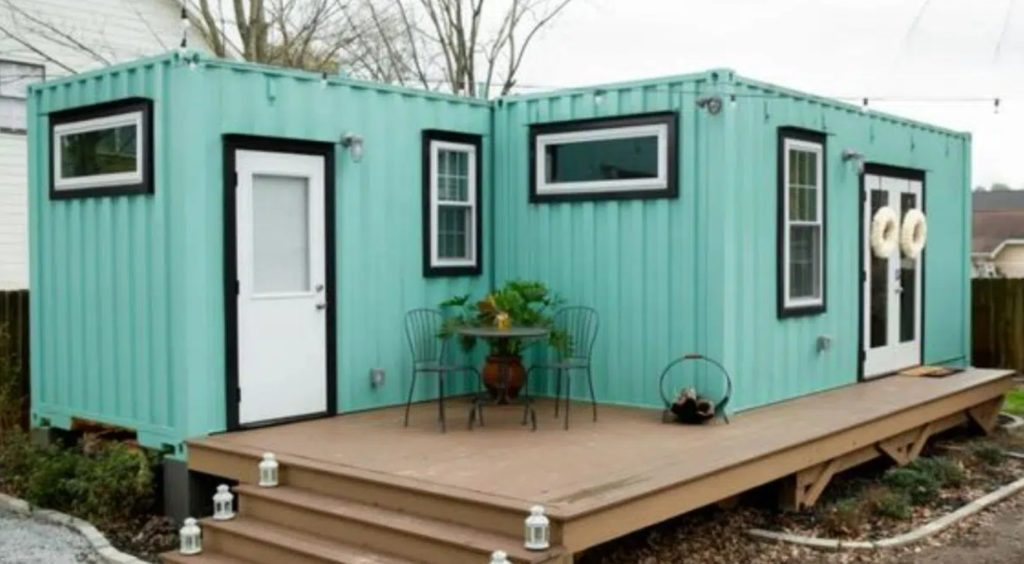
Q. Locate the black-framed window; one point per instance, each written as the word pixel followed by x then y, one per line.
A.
pixel 605 158
pixel 15 76
pixel 102 150
pixel 802 190
pixel 452 200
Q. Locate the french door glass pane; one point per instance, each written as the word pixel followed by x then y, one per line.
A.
pixel 908 281
pixel 280 225
pixel 804 261
pixel 453 231
pixel 879 314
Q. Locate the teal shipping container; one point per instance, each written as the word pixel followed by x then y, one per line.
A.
pixel 216 245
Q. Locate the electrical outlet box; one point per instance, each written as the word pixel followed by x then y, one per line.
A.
pixel 824 343
pixel 376 377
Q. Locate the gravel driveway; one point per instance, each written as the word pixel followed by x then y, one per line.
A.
pixel 26 541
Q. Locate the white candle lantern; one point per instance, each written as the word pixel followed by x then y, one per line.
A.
pixel 538 530
pixel 499 557
pixel 223 504
pixel 268 471
pixel 191 538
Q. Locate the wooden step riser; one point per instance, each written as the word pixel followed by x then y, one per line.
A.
pixel 375 537
pixel 243 468
pixel 252 550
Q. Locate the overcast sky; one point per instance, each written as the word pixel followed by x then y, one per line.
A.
pixel 855 48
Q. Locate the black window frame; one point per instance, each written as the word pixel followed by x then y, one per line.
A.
pixel 94 111
pixel 668 118
pixel 808 136
pixel 429 136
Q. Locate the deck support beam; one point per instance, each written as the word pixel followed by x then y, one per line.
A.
pixel 985 415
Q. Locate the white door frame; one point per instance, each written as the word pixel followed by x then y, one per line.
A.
pixel 316 397
pixel 896 353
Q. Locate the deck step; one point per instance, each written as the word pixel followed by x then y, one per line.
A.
pixel 260 542
pixel 203 558
pixel 404 534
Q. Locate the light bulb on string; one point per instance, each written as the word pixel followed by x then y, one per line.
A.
pixel 995 106
pixel 864 105
pixel 732 101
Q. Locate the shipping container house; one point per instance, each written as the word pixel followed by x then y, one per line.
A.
pixel 217 244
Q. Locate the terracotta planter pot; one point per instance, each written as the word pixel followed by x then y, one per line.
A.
pixel 516 374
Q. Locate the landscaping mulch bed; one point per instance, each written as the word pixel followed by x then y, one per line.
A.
pixel 866 503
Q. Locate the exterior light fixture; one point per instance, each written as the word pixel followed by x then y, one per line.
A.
pixel 268 471
pixel 191 538
pixel 713 104
pixel 537 530
pixel 732 101
pixel 223 504
pixel 854 155
pixel 864 105
pixel 499 557
pixel 354 144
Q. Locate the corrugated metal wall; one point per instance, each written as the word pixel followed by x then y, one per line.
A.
pixel 107 314
pixel 129 290
pixel 698 273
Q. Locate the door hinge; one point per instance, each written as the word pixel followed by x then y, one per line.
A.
pixel 238 394
pixel 238 288
pixel 863 356
pixel 863 276
pixel 863 197
pixel 234 179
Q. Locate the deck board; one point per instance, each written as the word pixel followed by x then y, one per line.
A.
pixel 627 453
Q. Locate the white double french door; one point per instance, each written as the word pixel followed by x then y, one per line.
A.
pixel 891 285
pixel 282 296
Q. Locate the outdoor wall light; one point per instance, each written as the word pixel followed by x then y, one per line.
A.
pixel 499 557
pixel 713 104
pixel 268 471
pixel 223 504
pixel 537 530
pixel 354 144
pixel 191 538
pixel 854 155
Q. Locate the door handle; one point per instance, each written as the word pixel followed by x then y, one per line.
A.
pixel 319 287
pixel 321 306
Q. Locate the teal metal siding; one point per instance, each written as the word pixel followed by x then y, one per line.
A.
pixel 699 273
pixel 106 325
pixel 128 291
pixel 128 301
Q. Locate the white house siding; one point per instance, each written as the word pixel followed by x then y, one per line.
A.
pixel 1010 261
pixel 116 30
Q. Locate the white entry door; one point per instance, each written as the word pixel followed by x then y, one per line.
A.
pixel 282 293
pixel 891 286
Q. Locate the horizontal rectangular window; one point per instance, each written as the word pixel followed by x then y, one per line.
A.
pixel 451 203
pixel 102 150
pixel 802 222
pixel 621 157
pixel 14 80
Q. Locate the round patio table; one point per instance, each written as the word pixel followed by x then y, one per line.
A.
pixel 491 332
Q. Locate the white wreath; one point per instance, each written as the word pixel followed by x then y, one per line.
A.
pixel 884 232
pixel 913 234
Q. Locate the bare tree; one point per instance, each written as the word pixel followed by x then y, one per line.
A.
pixel 416 40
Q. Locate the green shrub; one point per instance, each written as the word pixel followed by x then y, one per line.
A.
pixel 11 394
pixel 919 487
pixel 17 459
pixel 944 471
pixel 49 479
pixel 115 482
pixel 888 503
pixel 988 453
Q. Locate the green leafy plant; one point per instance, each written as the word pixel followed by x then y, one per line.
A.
pixel 845 517
pixel 888 503
pixel 526 303
pixel 988 453
pixel 11 394
pixel 919 486
pixel 944 471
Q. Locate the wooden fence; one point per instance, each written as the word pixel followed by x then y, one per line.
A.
pixel 14 321
pixel 998 323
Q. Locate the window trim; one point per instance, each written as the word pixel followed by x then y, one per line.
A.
pixel 796 137
pixel 433 140
pixel 137 111
pixel 661 124
pixel 41 67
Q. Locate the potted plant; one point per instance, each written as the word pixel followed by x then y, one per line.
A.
pixel 517 303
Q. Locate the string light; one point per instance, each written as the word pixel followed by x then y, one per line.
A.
pixel 864 105
pixel 732 101
pixel 184 29
pixel 995 105
pixel 323 80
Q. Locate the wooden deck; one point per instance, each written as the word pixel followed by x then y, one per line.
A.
pixel 597 480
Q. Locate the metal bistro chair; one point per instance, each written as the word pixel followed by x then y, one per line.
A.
pixel 423 330
pixel 580 324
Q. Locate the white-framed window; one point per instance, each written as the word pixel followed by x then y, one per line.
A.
pixel 14 80
pixel 801 222
pixel 102 150
pixel 620 157
pixel 452 198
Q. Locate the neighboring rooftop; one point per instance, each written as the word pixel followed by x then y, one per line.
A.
pixel 998 217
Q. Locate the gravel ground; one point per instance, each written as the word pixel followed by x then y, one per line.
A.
pixel 26 541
